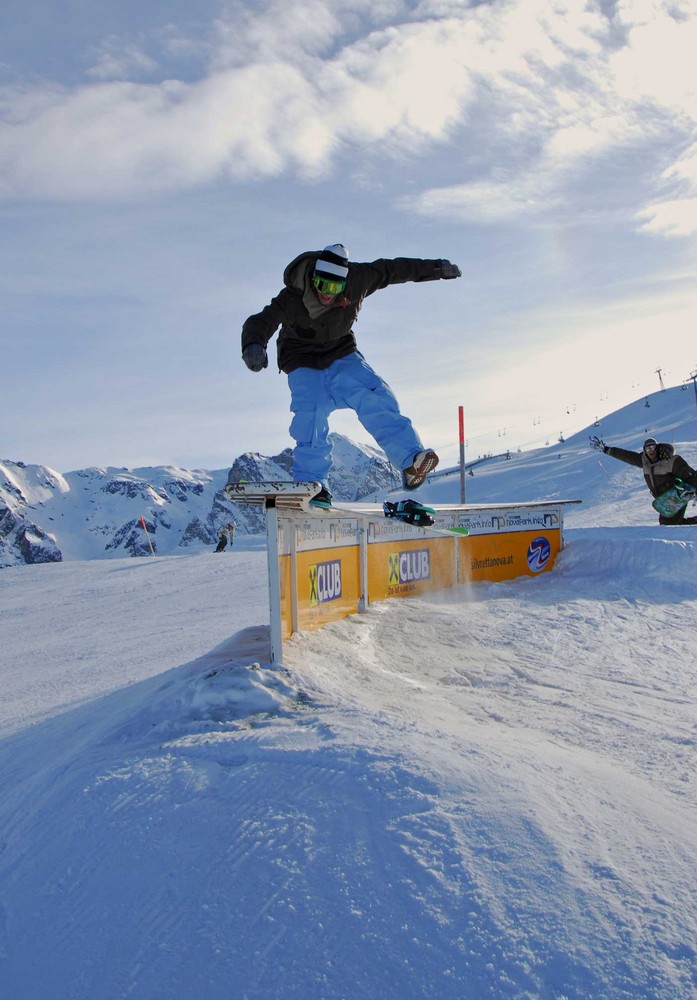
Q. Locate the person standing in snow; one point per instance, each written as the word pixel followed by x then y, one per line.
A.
pixel 317 350
pixel 661 466
pixel 226 533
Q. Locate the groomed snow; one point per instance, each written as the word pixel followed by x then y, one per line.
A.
pixel 486 793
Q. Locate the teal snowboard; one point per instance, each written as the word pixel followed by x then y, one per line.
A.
pixel 674 499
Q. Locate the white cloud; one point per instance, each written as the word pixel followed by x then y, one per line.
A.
pixel 408 83
pixel 526 92
pixel 117 59
pixel 402 85
pixel 584 139
pixel 657 62
pixel 570 98
pixel 685 167
pixel 677 217
pixel 481 201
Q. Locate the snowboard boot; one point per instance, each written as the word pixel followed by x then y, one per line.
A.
pixel 322 499
pixel 415 474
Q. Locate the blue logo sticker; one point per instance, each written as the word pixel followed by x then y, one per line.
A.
pixel 539 553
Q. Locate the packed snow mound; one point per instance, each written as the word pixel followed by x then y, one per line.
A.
pixel 652 558
pixel 230 685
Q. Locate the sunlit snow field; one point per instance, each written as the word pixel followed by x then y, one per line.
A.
pixel 485 793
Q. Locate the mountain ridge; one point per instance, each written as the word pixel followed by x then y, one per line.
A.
pixel 93 513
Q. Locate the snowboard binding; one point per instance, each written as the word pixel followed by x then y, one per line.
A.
pixel 409 511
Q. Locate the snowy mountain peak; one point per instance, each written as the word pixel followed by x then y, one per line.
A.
pixel 95 512
pixel 28 484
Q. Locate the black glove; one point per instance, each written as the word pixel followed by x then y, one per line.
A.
pixel 445 269
pixel 255 357
pixel 598 444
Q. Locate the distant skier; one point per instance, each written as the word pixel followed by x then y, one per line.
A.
pixel 662 468
pixel 317 349
pixel 227 533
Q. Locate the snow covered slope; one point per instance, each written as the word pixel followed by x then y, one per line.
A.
pixel 612 493
pixel 485 794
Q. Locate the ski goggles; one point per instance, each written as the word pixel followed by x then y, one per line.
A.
pixel 650 445
pixel 328 286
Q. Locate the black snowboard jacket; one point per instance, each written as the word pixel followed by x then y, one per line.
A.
pixel 313 336
pixel 661 474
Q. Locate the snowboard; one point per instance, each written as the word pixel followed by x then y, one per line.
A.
pixel 674 499
pixel 291 495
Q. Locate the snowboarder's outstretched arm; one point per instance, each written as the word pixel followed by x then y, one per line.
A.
pixel 630 457
pixel 383 272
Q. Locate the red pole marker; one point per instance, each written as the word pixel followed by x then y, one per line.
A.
pixel 142 524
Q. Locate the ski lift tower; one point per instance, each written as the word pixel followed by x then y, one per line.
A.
pixel 659 372
pixel 693 376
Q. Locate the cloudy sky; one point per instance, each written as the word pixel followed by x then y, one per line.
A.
pixel 160 164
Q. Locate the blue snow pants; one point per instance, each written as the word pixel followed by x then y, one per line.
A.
pixel 349 383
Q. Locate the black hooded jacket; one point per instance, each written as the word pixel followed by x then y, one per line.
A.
pixel 661 474
pixel 312 335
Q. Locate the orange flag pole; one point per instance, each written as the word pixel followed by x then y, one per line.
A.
pixel 142 524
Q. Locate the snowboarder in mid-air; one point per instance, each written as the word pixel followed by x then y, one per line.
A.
pixel 317 350
pixel 663 471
